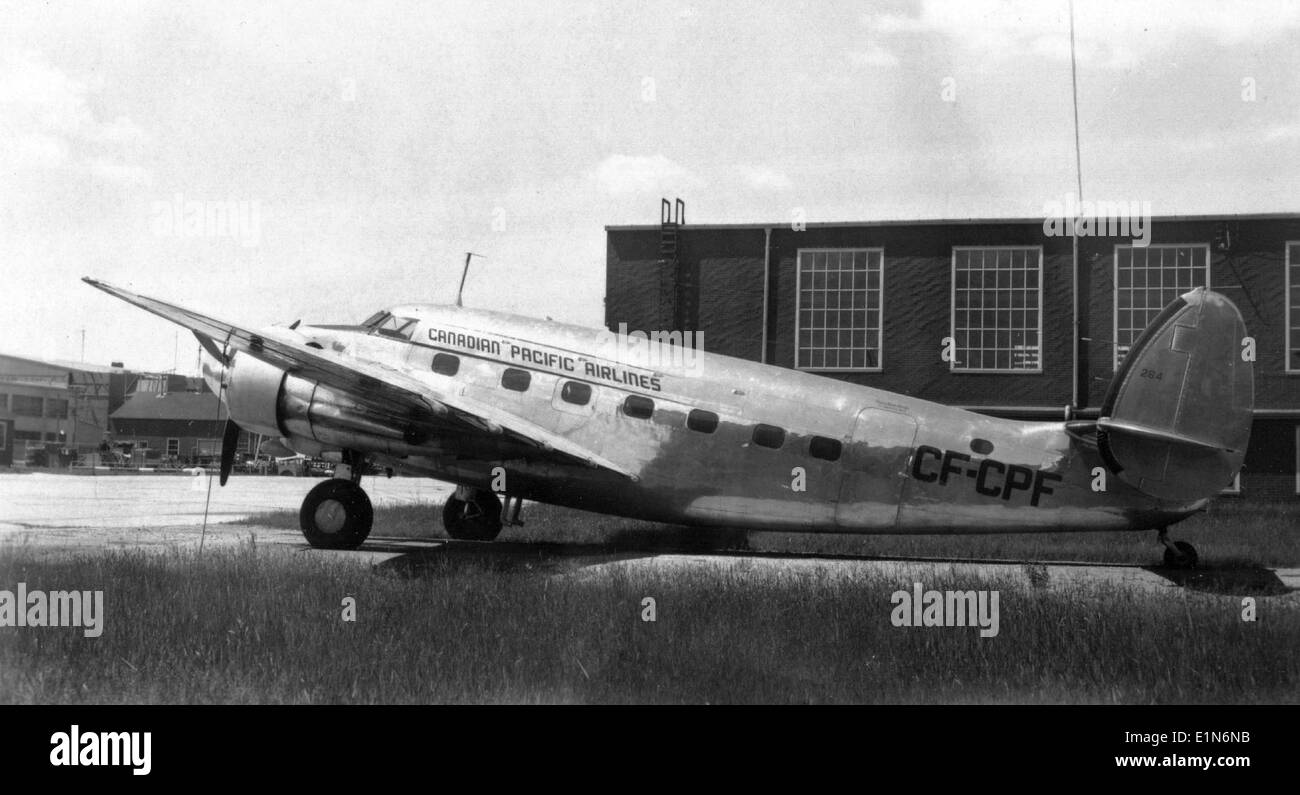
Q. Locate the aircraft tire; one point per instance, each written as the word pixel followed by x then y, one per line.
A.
pixel 476 520
pixel 1184 558
pixel 336 514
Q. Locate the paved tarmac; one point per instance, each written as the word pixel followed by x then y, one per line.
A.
pixel 40 502
pixel 58 513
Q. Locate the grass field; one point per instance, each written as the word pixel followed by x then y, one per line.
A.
pixel 250 624
pixel 1265 535
pixel 265 625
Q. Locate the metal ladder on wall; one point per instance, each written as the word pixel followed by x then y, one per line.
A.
pixel 672 215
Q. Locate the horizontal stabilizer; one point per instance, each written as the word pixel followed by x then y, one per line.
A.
pixel 1176 420
pixel 1159 435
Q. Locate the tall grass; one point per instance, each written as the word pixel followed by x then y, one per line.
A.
pixel 265 625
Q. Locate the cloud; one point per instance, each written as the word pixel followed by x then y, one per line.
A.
pixel 764 178
pixel 874 55
pixel 47 123
pixel 1109 34
pixel 627 175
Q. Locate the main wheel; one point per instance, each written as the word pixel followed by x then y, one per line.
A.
pixel 478 519
pixel 1184 558
pixel 336 515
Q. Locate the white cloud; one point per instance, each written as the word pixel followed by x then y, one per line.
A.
pixel 46 122
pixel 625 175
pixel 764 178
pixel 874 55
pixel 1111 34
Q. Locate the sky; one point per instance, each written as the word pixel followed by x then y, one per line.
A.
pixel 267 162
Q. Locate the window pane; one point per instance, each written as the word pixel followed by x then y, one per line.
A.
pixel 840 291
pixel 995 309
pixel 446 364
pixel 1147 280
pixel 702 421
pixel 769 436
pixel 576 392
pixel 638 407
pixel 516 380
pixel 827 449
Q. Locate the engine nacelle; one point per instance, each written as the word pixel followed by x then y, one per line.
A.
pixel 253 394
pixel 264 399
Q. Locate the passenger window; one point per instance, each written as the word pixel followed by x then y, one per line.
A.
pixel 825 449
pixel 446 364
pixel 702 421
pixel 638 407
pixel 576 392
pixel 769 436
pixel 516 380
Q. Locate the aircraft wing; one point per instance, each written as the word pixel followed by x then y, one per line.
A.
pixel 370 379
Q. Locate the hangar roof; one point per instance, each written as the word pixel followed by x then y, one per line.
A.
pixel 187 406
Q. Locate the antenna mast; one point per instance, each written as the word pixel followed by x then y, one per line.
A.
pixel 465 273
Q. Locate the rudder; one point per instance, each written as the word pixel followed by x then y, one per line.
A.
pixel 1176 419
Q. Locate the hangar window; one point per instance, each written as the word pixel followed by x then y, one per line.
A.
pixel 1292 307
pixel 446 364
pixel 997 297
pixel 838 323
pixel 576 392
pixel 26 405
pixel 1148 278
pixel 516 380
pixel 4 402
pixel 702 421
pixel 639 407
pixel 769 436
pixel 173 448
pixel 825 449
pixel 56 408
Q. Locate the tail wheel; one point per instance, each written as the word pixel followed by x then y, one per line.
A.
pixel 1183 556
pixel 336 515
pixel 478 519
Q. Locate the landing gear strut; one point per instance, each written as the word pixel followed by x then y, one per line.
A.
pixel 472 515
pixel 1178 555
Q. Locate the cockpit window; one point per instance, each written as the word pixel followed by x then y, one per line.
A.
pixel 390 325
pixel 374 320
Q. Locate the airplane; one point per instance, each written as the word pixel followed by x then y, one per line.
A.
pixel 508 406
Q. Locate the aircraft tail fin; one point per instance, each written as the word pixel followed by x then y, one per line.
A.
pixel 1176 419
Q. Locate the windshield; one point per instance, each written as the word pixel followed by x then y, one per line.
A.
pixel 390 325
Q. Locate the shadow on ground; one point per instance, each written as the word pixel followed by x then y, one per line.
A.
pixel 1227 580
pixel 433 556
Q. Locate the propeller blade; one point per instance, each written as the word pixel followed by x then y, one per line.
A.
pixel 228 443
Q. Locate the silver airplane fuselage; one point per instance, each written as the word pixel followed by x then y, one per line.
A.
pixel 709 439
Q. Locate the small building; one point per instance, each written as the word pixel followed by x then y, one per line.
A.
pixel 54 405
pixel 174 428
